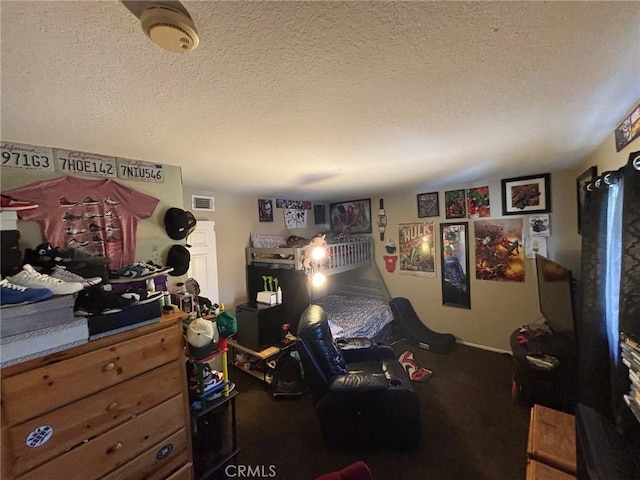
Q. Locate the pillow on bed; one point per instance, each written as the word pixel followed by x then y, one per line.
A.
pixel 267 241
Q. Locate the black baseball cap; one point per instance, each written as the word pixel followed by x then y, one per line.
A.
pixel 178 258
pixel 179 223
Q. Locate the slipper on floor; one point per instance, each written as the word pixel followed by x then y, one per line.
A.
pixel 415 371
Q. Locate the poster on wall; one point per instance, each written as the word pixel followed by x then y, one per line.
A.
pixel 478 202
pixel 319 215
pixel 265 210
pixel 416 254
pixel 455 204
pixel 454 246
pixel 294 218
pixel 499 255
pixel 539 226
pixel 293 204
pixel 352 216
pixel 533 245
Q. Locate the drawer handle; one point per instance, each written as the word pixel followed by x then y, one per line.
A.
pixel 113 406
pixel 109 366
pixel 115 447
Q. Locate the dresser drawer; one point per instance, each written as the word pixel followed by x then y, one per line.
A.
pixel 157 463
pixel 185 473
pixel 552 438
pixel 540 471
pixel 75 378
pixel 91 460
pixel 91 416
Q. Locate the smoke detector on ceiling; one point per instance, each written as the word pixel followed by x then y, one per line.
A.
pixel 169 28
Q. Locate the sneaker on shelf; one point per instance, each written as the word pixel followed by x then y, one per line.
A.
pixel 96 301
pixel 81 254
pixel 29 277
pixel 13 294
pixel 11 204
pixel 153 268
pixel 140 295
pixel 94 227
pixel 111 214
pixel 113 228
pixel 130 271
pixel 92 215
pixel 61 273
pixel 111 201
pixel 64 202
pixel 210 380
pixel 97 239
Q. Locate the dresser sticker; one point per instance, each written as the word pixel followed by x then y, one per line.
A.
pixel 39 436
pixel 164 451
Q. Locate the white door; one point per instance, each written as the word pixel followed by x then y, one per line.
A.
pixel 204 261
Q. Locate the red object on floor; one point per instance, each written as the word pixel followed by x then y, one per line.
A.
pixel 415 371
pixel 356 471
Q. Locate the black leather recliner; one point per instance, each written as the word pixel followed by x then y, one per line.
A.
pixel 362 395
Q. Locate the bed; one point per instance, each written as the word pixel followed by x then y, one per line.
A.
pixel 356 298
pixel 353 316
pixel 345 252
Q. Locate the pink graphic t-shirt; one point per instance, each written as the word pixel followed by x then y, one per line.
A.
pixel 97 216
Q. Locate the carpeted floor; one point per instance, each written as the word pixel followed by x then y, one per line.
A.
pixel 471 429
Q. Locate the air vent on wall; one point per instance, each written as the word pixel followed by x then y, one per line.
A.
pixel 202 203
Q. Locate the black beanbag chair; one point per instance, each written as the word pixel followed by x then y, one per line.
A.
pixel 417 333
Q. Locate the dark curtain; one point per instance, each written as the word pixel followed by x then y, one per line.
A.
pixel 601 381
pixel 629 284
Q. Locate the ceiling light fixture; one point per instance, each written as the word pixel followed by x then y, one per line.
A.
pixel 169 28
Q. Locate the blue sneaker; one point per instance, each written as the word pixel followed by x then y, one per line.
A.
pixel 12 294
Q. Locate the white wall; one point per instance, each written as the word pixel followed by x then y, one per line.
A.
pixel 153 242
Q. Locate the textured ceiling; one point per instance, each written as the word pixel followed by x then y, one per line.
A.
pixel 325 99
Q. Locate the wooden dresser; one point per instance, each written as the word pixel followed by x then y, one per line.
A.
pixel 115 408
pixel 551 445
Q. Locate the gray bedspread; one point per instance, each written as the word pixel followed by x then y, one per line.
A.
pixel 355 316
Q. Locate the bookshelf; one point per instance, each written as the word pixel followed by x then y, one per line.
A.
pixel 630 353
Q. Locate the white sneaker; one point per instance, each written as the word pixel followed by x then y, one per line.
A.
pixel 61 273
pixel 29 277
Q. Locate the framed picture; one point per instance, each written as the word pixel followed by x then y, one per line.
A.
pixel 628 130
pixel 455 204
pixel 353 216
pixel 454 252
pixel 417 248
pixel 581 183
pixel 499 252
pixel 265 210
pixel 478 202
pixel 319 216
pixel 524 195
pixel 428 205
